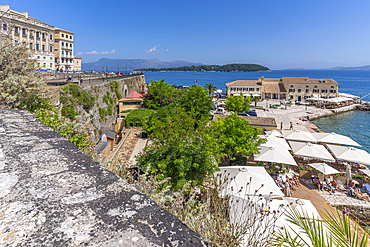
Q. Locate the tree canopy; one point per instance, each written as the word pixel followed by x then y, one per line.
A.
pixel 210 87
pixel 159 94
pixel 238 103
pixel 235 137
pixel 179 151
pixel 196 102
pixel 219 68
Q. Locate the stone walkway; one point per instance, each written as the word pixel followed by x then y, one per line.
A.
pixel 341 199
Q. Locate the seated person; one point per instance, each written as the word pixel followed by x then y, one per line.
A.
pixel 291 183
pixel 333 186
pixel 361 195
pixel 296 180
pixel 316 182
pixel 354 184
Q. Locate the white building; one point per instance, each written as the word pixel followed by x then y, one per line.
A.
pixel 23 29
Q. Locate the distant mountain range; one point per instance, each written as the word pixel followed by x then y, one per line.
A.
pixel 366 67
pixel 133 64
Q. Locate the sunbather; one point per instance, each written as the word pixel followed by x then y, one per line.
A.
pixel 361 195
pixel 333 186
pixel 296 181
pixel 317 183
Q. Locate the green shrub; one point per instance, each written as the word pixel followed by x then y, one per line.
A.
pixel 114 87
pixel 111 100
pixel 63 99
pixel 105 99
pixel 110 109
pixel 102 113
pixel 68 111
pixel 139 117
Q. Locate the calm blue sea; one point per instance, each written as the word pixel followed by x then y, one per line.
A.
pixel 356 123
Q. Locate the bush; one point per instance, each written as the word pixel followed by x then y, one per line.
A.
pixel 114 87
pixel 102 113
pixel 139 117
pixel 110 109
pixel 68 111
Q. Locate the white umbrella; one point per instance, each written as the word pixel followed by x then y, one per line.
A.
pixel 297 135
pixel 312 151
pixel 350 154
pixel 275 142
pixel 274 133
pixel 366 171
pixel 246 94
pixel 256 95
pixel 275 155
pixel 246 180
pixel 324 168
pixel 334 138
pixel 218 91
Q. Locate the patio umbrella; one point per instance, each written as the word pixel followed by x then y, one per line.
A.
pixel 275 142
pixel 297 135
pixel 324 168
pixel 334 138
pixel 246 94
pixel 274 133
pixel 312 151
pixel 350 154
pixel 365 171
pixel 218 91
pixel 238 178
pixel 275 155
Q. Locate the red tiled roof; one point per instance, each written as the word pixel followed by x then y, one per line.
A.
pixel 134 94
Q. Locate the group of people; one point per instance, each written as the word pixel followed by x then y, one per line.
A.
pixel 290 128
pixel 288 184
pixel 354 190
pixel 332 185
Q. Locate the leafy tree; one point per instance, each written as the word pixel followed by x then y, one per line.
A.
pixel 178 150
pixel 238 103
pixel 20 83
pixel 159 94
pixel 139 116
pixel 210 88
pixel 196 102
pixel 255 99
pixel 235 137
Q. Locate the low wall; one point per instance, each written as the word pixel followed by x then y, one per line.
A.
pixel 52 194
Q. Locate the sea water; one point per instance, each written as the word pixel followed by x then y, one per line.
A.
pixel 355 124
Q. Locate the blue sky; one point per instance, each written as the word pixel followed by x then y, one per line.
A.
pixel 277 34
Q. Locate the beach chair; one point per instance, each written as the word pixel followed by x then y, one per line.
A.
pixel 341 187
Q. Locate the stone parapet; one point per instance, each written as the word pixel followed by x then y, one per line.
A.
pixel 52 194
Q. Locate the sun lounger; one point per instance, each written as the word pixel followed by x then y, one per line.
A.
pixel 341 187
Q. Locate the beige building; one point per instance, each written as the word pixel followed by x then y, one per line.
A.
pixel 246 87
pixel 131 102
pixel 64 45
pixel 77 63
pixel 286 88
pixel 23 29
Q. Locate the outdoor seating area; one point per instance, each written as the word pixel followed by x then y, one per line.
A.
pixel 326 162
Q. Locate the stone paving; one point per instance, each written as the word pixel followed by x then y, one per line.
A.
pixel 341 199
pixel 52 194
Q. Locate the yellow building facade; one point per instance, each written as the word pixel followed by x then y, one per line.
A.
pixel 64 45
pixel 77 63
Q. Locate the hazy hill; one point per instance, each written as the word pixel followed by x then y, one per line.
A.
pixel 133 64
pixel 235 67
pixel 366 67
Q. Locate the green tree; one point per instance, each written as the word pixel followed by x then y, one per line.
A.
pixel 159 94
pixel 238 103
pixel 196 102
pixel 255 99
pixel 178 150
pixel 210 88
pixel 20 83
pixel 236 137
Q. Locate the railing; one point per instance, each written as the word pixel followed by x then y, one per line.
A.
pixel 16 34
pixel 31 36
pixel 24 35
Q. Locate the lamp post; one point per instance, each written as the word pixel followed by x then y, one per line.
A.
pixel 360 99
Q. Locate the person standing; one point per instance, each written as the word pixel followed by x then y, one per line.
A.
pixel 291 126
pixel 281 126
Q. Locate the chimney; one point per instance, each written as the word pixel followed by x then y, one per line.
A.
pixel 25 14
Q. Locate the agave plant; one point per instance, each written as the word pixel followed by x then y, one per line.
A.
pixel 334 229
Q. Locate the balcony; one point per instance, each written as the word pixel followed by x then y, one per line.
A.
pixel 31 36
pixel 43 39
pixel 24 35
pixel 67 48
pixel 37 38
pixel 16 34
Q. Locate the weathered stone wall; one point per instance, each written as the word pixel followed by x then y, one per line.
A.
pixel 52 194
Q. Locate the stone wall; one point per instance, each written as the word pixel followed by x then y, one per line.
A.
pixel 52 194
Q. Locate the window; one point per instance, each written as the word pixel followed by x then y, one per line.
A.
pixel 62 60
pixel 44 58
pixel 38 65
pixel 307 86
pixel 291 85
pixel 67 36
pixel 332 87
pixel 24 31
pixel 233 89
pixel 239 89
pixel 43 48
pixel 38 57
pixel 77 62
pixel 5 27
pixel 245 89
pixel 51 37
pixel 16 42
pixel 307 90
pixel 66 44
pixel 70 45
pixel 62 52
pixel 43 35
pixel 31 46
pixel 51 65
pixel 51 59
pixel 62 43
pixel 16 29
pixel 44 65
pixel 62 35
pixel 37 47
pixel 316 91
pixel 291 96
pixel 70 60
pixel 324 90
pixel 258 89
pixel 51 48
pixel 315 86
pixel 37 34
pixel 299 90
pixel 291 90
pixel 70 37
